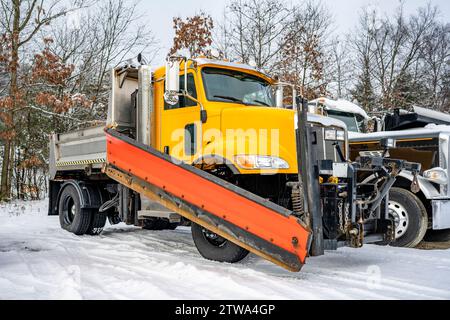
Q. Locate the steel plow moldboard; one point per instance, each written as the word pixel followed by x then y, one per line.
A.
pixel 251 222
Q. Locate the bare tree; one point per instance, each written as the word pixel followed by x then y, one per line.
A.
pixel 361 48
pixel 256 30
pixel 434 66
pixel 304 53
pixel 103 37
pixel 396 46
pixel 339 72
pixel 221 37
pixel 21 20
pixel 59 75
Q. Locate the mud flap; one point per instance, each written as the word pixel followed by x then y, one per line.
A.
pixel 254 223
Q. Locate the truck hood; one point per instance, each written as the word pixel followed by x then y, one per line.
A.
pixel 283 121
pixel 259 118
pixel 273 129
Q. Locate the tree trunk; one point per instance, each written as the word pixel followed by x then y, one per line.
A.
pixel 4 192
pixel 7 166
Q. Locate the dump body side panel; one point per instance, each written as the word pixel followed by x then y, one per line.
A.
pixel 77 150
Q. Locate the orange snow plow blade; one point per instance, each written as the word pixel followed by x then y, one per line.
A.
pixel 239 216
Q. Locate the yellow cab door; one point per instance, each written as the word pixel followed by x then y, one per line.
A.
pixel 181 125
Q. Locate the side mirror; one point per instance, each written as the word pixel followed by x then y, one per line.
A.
pixel 377 124
pixel 172 81
pixel 279 96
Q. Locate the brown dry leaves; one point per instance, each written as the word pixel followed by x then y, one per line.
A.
pixel 193 34
pixel 49 68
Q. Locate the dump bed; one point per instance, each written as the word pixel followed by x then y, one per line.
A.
pixel 77 150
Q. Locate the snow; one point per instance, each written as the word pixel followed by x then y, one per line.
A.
pixel 322 120
pixel 38 260
pixel 342 105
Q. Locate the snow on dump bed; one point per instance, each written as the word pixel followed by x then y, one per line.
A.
pixel 38 260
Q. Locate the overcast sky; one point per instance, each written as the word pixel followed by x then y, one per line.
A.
pixel 345 14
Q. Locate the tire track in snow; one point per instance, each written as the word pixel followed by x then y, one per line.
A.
pixel 130 263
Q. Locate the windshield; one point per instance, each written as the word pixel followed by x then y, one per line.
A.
pixel 348 118
pixel 233 86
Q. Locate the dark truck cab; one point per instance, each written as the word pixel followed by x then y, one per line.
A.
pixel 422 136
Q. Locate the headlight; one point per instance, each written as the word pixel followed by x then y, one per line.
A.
pixel 436 175
pixel 261 162
pixel 333 134
pixel 340 135
pixel 330 134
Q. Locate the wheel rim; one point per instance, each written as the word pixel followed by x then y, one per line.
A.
pixel 70 210
pixel 401 218
pixel 213 238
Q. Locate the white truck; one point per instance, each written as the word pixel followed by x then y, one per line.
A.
pixel 422 136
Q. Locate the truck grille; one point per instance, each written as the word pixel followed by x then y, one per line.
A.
pixel 325 149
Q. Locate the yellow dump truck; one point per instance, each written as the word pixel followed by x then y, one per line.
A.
pixel 208 143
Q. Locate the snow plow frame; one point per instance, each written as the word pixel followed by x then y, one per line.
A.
pixel 256 224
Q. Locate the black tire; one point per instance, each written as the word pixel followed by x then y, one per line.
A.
pixel 71 217
pixel 98 222
pixel 157 224
pixel 410 207
pixel 172 226
pixel 221 250
pixel 438 235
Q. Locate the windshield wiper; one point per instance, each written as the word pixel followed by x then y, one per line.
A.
pixel 263 103
pixel 234 99
pixel 230 98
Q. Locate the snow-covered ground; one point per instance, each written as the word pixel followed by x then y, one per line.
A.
pixel 38 260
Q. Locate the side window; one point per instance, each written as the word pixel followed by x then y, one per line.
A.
pixel 185 102
pixel 190 139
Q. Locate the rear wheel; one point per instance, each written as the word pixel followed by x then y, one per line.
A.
pixel 98 222
pixel 213 247
pixel 71 217
pixel 410 217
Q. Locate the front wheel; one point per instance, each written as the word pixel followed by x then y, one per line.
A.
pixel 213 247
pixel 410 217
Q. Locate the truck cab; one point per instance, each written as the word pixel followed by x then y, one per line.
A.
pixel 355 118
pixel 236 101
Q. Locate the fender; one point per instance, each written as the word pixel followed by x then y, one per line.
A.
pixel 217 159
pixel 426 187
pixel 90 195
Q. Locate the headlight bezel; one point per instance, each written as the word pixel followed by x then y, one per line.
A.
pixel 341 135
pixel 436 175
pixel 333 134
pixel 329 134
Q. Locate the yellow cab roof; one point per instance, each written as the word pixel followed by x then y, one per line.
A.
pixel 202 62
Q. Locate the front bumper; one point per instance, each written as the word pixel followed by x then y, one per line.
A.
pixel 441 214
